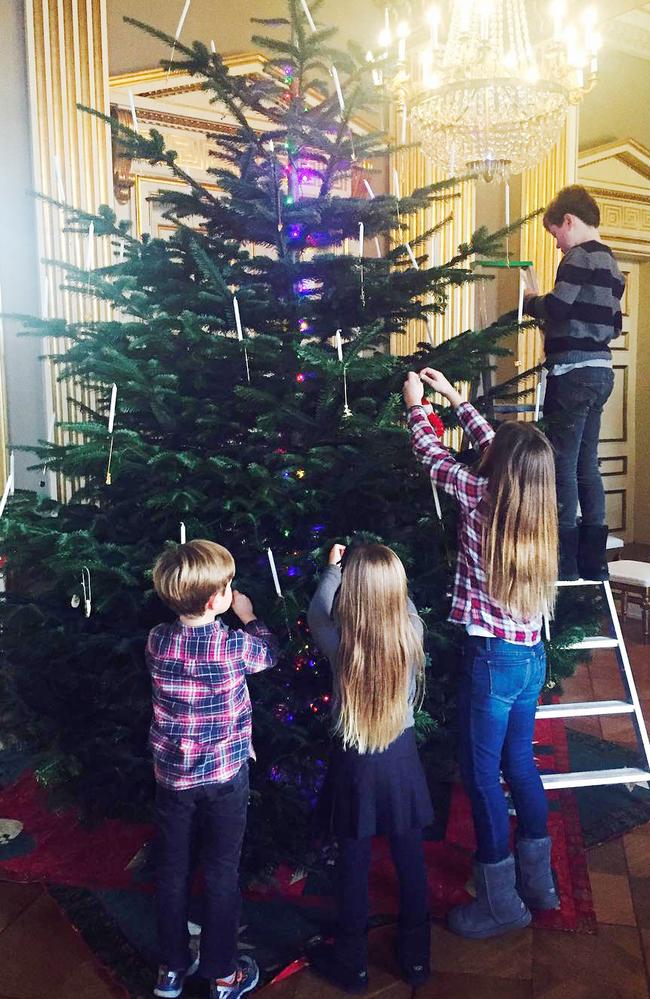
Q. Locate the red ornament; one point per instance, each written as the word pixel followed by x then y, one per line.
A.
pixel 434 419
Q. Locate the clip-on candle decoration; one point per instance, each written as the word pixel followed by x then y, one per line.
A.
pixel 507 218
pixel 183 532
pixel 412 256
pixel 134 116
pixel 310 20
pixel 276 186
pixel 60 190
pixel 240 335
pixel 339 350
pixel 397 196
pixel 111 422
pixel 5 495
pixel 337 87
pixel 50 438
pixel 278 588
pixel 85 585
pixel 179 28
pixel 361 274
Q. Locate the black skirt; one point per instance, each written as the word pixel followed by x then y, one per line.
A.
pixel 375 794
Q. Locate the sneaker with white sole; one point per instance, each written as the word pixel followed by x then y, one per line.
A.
pixel 245 978
pixel 170 983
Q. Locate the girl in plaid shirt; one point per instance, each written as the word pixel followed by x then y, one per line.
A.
pixel 505 582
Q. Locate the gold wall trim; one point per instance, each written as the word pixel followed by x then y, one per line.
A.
pixel 67 63
pixel 539 185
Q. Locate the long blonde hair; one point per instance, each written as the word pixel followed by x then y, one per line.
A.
pixel 520 532
pixel 378 650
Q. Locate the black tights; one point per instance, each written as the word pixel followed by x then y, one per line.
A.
pixel 352 881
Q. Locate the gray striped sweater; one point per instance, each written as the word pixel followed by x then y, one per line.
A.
pixel 583 312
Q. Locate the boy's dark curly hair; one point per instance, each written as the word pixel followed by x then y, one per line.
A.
pixel 572 200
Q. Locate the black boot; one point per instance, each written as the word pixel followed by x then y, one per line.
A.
pixel 413 949
pixel 344 963
pixel 568 566
pixel 592 551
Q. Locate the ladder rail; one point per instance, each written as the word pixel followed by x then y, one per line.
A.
pixel 624 662
pixel 622 775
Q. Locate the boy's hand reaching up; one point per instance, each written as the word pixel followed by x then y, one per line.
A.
pixel 242 606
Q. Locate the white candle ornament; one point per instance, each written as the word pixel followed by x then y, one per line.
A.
pixel 181 20
pixel 361 238
pixel 5 495
pixel 111 411
pixel 377 246
pixel 60 190
pixel 310 20
pixel 85 583
pixel 274 573
pixel 337 87
pixel 213 47
pixel 12 473
pixel 412 256
pixel 368 188
pixel 90 244
pixel 522 288
pixel 134 117
pixel 235 305
pixel 183 533
pixel 339 345
pixel 436 501
pixel 396 184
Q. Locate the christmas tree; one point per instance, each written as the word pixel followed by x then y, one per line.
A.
pixel 256 403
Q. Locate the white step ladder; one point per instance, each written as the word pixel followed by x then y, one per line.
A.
pixel 631 706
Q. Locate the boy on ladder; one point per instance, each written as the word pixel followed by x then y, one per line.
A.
pixel 579 316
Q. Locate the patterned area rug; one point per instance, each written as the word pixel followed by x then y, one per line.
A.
pixel 102 877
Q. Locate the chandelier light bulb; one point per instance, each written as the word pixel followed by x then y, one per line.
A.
pixel 589 18
pixel 384 39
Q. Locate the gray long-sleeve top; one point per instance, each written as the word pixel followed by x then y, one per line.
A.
pixel 326 631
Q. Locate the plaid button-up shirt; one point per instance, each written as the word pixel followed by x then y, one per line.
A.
pixel 470 604
pixel 201 726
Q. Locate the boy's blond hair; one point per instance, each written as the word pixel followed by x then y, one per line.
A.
pixel 185 577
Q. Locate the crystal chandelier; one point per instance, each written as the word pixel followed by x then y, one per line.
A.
pixel 487 101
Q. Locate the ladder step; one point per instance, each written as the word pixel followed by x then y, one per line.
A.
pixel 579 710
pixel 597 642
pixel 591 778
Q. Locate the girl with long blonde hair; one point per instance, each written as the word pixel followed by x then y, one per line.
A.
pixel 505 583
pixel 362 619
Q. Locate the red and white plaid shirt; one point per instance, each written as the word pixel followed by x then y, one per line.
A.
pixel 201 726
pixel 470 604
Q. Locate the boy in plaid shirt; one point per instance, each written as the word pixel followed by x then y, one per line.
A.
pixel 201 742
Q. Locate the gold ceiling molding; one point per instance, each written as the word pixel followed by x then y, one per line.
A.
pixel 181 121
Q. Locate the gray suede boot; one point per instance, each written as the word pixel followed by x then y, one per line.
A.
pixel 535 882
pixel 497 908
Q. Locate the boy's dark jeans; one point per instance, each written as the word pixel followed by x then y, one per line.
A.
pixel 221 811
pixel 573 408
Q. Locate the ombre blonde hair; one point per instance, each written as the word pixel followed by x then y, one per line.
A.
pixel 520 532
pixel 185 577
pixel 378 652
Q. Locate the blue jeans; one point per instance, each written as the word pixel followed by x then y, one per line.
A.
pixel 573 408
pixel 220 811
pixel 499 687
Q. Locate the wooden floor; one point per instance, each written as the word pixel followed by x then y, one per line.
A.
pixel 43 957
